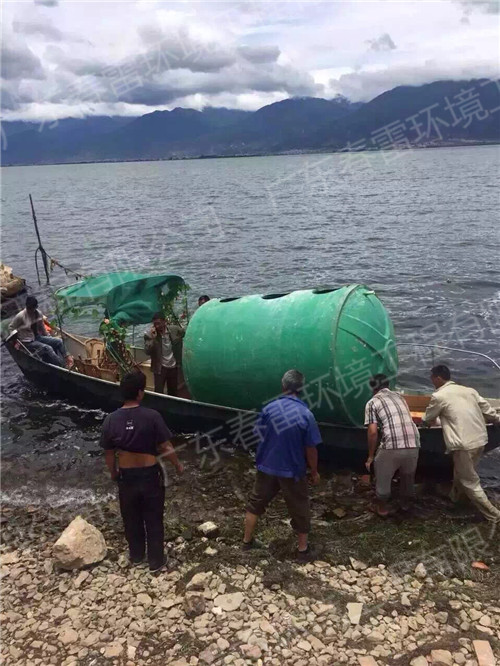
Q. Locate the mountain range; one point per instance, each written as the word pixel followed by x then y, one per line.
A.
pixel 439 113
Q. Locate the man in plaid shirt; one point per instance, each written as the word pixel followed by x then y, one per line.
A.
pixel 388 415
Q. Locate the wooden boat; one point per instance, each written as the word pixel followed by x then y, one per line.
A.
pixel 212 425
pixel 94 378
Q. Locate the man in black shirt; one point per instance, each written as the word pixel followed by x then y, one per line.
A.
pixel 132 438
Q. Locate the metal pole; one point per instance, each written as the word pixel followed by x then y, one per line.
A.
pixel 40 246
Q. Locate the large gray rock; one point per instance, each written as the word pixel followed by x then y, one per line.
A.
pixel 79 545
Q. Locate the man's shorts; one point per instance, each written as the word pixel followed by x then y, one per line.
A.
pixel 295 493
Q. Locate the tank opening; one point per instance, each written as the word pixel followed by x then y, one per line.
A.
pixel 325 290
pixel 268 297
pixel 228 300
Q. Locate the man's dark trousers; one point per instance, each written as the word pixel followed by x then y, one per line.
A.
pixel 142 499
pixel 168 375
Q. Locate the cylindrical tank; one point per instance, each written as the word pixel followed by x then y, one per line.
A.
pixel 237 349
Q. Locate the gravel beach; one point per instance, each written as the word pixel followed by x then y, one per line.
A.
pixel 400 591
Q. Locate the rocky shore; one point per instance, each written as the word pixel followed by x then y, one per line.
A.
pixel 402 591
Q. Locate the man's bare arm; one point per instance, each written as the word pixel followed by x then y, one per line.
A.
pixel 372 437
pixel 166 450
pixel 110 458
pixel 312 462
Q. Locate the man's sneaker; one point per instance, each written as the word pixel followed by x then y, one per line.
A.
pixel 306 555
pixel 135 563
pixel 160 567
pixel 253 544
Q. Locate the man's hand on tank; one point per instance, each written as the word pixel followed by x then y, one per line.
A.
pixel 368 463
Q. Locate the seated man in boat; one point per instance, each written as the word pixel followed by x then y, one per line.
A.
pixel 203 299
pixel 31 331
pixel 288 435
pixel 133 437
pixel 388 415
pixel 159 342
pixel 462 412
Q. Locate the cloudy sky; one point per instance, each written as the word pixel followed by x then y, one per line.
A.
pixel 65 58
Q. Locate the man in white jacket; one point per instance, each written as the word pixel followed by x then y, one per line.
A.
pixel 462 412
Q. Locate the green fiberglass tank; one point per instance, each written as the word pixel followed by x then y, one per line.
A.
pixel 237 349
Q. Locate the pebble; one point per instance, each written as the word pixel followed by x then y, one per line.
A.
pixel 420 571
pixel 210 551
pixel 357 565
pixel 442 617
pixel 419 661
pixel 251 651
pixel 68 635
pixel 229 602
pixel 354 611
pixel 223 644
pixel 144 600
pixel 207 656
pixel 208 529
pixel 441 658
pixel 113 650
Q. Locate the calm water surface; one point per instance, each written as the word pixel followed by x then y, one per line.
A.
pixel 419 227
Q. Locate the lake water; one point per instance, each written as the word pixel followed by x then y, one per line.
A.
pixel 420 227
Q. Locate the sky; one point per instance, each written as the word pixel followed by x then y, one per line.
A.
pixel 68 58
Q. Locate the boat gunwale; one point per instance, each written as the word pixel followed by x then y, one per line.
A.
pixel 188 401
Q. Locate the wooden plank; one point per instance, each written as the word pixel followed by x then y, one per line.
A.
pixel 417 403
pixel 484 653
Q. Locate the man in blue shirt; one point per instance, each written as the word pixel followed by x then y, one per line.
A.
pixel 288 436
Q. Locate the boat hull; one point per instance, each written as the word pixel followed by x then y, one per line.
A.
pixel 214 424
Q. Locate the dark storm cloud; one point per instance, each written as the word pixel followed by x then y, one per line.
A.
pixel 165 89
pixel 177 49
pixel 10 96
pixel 18 62
pixel 174 66
pixel 382 43
pixel 77 66
pixel 259 54
pixel 38 26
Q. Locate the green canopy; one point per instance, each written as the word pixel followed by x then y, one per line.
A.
pixel 130 298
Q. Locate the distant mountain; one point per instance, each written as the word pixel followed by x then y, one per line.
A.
pixel 157 134
pixel 440 113
pixel 49 142
pixel 282 125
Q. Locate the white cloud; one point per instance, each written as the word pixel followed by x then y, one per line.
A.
pixel 133 57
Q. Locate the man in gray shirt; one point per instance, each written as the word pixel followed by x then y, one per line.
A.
pixel 159 340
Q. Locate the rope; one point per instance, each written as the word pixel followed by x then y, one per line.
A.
pixel 463 351
pixel 54 262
